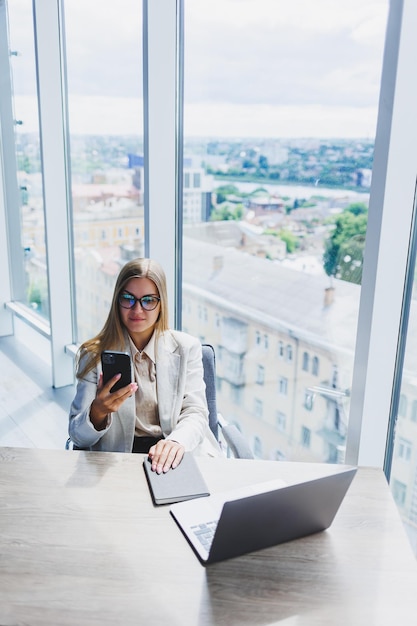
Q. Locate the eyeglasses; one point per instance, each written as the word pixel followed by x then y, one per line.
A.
pixel 148 303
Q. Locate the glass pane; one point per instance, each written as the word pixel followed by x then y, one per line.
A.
pixel 280 108
pixel 25 105
pixel 403 479
pixel 104 63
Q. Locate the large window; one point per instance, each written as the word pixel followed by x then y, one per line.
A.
pixel 279 154
pixel 104 64
pixel 404 459
pixel 28 158
pixel 280 118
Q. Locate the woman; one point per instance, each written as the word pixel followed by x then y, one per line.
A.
pixel 164 411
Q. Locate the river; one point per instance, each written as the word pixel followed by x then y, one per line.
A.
pixel 298 191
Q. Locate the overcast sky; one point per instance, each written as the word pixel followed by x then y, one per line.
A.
pixel 252 67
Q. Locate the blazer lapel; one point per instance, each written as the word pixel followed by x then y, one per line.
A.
pixel 168 363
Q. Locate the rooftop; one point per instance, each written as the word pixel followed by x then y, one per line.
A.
pixel 278 296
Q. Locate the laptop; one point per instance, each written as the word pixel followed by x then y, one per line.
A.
pixel 229 524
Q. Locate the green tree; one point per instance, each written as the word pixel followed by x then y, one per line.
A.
pixel 238 212
pixel 343 250
pixel 291 241
pixel 263 162
pixel 351 259
pixel 226 212
pixel 38 296
pixel 24 164
pixel 357 208
pixel 225 190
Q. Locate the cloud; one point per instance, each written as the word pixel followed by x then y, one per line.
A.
pixel 98 115
pixel 90 115
pixel 318 16
pixel 104 47
pixel 253 120
pixel 289 53
pixel 275 66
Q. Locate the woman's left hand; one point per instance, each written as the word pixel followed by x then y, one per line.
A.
pixel 166 454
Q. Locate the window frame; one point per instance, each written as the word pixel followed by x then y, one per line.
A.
pixel 369 440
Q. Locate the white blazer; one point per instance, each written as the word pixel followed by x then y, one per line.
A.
pixel 182 404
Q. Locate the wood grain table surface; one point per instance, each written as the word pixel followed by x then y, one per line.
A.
pixel 82 544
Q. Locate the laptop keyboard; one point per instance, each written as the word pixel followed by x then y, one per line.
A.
pixel 205 533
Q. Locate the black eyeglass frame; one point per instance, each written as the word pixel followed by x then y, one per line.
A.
pixel 123 297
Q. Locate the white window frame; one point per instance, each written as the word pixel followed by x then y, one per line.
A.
pixel 163 139
pixel 393 186
pixel 384 271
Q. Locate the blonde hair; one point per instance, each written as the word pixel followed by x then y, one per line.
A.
pixel 113 335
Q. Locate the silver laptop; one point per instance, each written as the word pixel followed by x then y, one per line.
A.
pixel 237 522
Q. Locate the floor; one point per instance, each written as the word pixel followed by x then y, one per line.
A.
pixel 32 413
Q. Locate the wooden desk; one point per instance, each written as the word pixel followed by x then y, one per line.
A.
pixel 82 544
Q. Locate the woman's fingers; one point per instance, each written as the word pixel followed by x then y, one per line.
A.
pixel 166 454
pixel 112 401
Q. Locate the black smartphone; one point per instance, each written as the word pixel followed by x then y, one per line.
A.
pixel 113 363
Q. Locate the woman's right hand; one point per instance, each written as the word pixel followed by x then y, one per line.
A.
pixel 106 402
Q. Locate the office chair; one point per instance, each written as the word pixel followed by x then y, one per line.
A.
pixel 236 445
pixel 229 437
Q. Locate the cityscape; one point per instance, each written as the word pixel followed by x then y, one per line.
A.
pixel 323 163
pixel 272 261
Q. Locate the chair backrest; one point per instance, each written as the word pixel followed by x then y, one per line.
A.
pixel 209 364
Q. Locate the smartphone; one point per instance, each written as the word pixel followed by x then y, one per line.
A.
pixel 113 363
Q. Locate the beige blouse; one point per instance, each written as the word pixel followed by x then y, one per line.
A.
pixel 147 417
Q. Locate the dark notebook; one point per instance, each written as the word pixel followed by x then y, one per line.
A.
pixel 185 482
